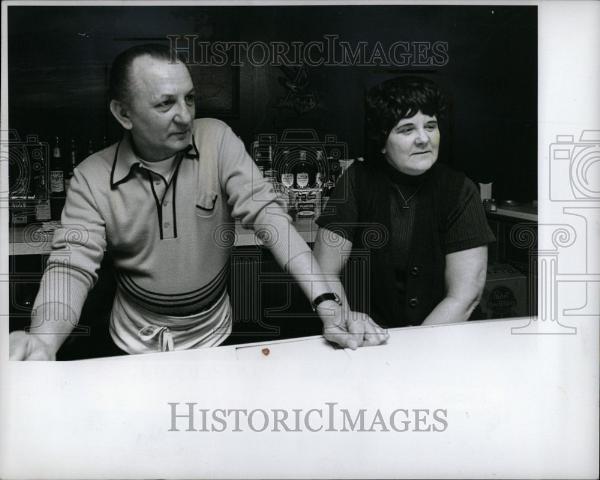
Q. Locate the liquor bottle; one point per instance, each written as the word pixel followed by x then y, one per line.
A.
pixel 71 164
pixel 319 180
pixel 287 176
pixel 301 172
pixel 334 172
pixel 334 168
pixel 320 175
pixel 259 158
pixel 269 172
pixel 41 191
pixel 42 209
pixel 57 182
pixel 90 149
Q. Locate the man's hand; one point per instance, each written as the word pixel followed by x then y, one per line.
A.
pixel 25 346
pixel 356 330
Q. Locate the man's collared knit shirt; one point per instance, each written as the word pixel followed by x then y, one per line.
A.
pixel 170 241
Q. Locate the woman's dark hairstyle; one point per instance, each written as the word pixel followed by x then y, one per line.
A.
pixel 119 82
pixel 395 99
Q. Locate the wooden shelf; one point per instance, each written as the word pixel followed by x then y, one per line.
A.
pixel 520 212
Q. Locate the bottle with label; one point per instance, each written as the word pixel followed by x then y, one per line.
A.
pixel 287 176
pixel 71 164
pixel 42 209
pixel 41 191
pixel 320 176
pixel 257 155
pixel 57 182
pixel 319 180
pixel 301 172
pixel 332 169
pixel 269 172
pixel 287 181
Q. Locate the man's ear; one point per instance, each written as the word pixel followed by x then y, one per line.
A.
pixel 121 113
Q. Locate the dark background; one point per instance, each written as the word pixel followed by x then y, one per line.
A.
pixel 59 58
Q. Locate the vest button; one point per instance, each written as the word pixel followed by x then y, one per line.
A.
pixel 414 271
pixel 413 302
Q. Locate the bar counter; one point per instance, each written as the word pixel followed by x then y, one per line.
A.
pixel 33 240
pixel 518 403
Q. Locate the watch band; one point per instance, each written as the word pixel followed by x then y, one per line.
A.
pixel 324 297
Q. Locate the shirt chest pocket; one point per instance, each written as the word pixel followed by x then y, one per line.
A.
pixel 206 203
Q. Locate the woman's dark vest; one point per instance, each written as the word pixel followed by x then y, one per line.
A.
pixel 425 286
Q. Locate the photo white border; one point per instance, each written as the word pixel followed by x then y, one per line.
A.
pixel 569 38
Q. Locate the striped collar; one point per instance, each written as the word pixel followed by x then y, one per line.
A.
pixel 126 159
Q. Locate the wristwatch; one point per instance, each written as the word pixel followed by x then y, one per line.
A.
pixel 324 297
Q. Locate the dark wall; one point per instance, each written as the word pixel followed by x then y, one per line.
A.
pixel 59 59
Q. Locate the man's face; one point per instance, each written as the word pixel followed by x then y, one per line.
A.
pixel 412 145
pixel 161 107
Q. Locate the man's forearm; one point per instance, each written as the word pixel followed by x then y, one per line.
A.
pixel 53 330
pixel 57 307
pixel 294 255
pixel 341 325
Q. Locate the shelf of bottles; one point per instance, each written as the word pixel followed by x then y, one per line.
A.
pixel 302 169
pixel 40 173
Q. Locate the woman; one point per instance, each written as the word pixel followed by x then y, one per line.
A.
pixel 416 226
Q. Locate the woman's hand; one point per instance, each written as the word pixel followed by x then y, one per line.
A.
pixel 348 328
pixel 374 334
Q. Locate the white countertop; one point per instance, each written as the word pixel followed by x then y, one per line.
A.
pixel 516 405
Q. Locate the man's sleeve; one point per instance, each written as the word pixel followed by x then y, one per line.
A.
pixel 253 200
pixel 77 251
pixel 467 225
pixel 340 214
pixel 250 196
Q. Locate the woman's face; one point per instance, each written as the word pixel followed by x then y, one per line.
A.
pixel 412 145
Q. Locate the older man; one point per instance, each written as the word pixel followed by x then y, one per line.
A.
pixel 162 201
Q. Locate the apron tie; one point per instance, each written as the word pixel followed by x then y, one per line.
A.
pixel 165 339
